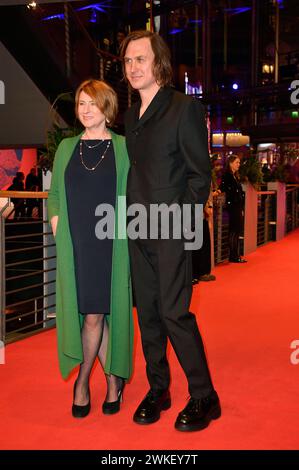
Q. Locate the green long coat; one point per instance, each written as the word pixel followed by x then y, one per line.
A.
pixel 68 319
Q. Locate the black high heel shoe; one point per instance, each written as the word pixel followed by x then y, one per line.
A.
pixel 80 411
pixel 111 407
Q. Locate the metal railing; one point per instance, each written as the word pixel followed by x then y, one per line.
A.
pixel 220 229
pixel 292 207
pixel 266 216
pixel 28 257
pixel 28 265
pixel 267 220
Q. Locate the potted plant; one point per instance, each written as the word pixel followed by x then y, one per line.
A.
pixel 250 170
pixel 56 131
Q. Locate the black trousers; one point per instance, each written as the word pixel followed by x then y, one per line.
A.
pixel 235 229
pixel 201 259
pixel 162 281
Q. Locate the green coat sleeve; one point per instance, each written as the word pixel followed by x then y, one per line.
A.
pixel 53 196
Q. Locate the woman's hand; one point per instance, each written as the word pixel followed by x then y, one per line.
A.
pixel 54 222
pixel 208 211
pixel 216 192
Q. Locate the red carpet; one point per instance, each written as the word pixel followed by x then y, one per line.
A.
pixel 248 319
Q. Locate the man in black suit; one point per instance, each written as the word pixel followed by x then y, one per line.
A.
pixel 167 145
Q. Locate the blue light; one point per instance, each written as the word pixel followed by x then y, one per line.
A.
pixel 93 18
pixel 235 86
pixel 176 30
pixel 100 6
pixel 237 11
pixel 53 17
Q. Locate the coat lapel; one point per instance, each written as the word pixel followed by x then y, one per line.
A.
pixel 161 97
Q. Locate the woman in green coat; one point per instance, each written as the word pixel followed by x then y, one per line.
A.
pixel 93 288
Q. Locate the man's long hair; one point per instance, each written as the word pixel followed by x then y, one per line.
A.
pixel 162 69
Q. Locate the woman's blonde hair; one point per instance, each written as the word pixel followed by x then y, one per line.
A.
pixel 103 95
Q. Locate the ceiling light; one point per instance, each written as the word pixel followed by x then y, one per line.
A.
pixel 32 5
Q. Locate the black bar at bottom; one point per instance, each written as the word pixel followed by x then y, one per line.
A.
pixel 138 458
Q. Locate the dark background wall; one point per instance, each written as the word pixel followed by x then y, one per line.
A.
pixel 24 114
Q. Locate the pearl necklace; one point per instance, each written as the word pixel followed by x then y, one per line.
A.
pixel 101 159
pixel 96 145
pixel 93 146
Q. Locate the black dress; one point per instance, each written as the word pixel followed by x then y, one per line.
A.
pixel 85 190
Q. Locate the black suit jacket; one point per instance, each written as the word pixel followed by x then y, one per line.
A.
pixel 168 150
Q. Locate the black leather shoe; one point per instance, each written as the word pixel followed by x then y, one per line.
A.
pixel 237 260
pixel 150 408
pixel 80 411
pixel 198 413
pixel 112 407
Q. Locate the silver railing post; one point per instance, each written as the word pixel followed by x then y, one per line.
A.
pixel 219 230
pixel 102 68
pixel 35 311
pixel 49 254
pixel 2 278
pixel 296 208
pixel 280 189
pixel 266 224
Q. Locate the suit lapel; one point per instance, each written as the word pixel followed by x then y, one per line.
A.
pixel 161 97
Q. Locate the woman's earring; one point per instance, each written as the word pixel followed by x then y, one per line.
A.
pixel 107 121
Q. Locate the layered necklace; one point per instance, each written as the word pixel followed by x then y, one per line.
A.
pixel 92 147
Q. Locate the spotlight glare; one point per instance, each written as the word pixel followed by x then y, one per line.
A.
pixel 31 5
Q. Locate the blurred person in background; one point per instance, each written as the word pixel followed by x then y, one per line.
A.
pixel 235 201
pixel 19 203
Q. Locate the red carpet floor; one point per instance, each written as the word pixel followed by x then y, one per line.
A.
pixel 248 319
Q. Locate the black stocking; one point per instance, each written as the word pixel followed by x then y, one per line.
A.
pixel 91 334
pixel 113 382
